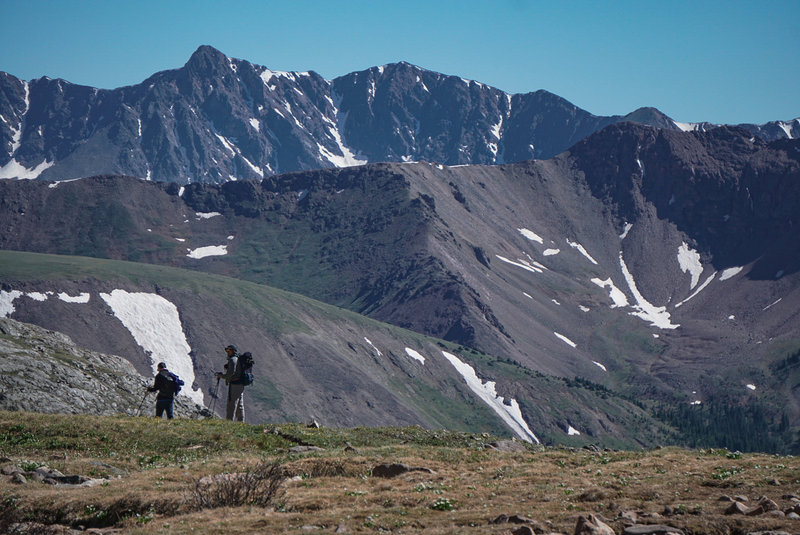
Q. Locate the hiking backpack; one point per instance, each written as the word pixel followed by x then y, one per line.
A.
pixel 245 365
pixel 177 382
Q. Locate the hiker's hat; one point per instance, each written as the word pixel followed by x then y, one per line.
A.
pixel 161 365
pixel 231 347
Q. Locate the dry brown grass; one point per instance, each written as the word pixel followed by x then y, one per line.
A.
pixel 470 487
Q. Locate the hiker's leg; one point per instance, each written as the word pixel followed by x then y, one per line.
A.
pixel 231 405
pixel 159 408
pixel 237 393
pixel 240 408
pixel 168 407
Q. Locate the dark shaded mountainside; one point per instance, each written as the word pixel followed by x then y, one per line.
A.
pixel 653 265
pixel 218 119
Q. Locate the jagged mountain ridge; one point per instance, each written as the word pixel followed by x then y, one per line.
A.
pixel 657 263
pixel 218 119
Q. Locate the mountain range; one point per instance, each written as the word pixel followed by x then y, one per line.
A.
pixel 218 119
pixel 635 284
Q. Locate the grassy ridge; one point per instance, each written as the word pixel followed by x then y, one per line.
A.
pixel 438 396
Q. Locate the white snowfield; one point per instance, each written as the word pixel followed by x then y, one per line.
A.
pixel 152 320
pixel 582 250
pixel 510 414
pixel 689 260
pixel 657 316
pixel 7 301
pixel 208 250
pixel 377 351
pixel 730 273
pixel 617 296
pixel 415 355
pixel 154 323
pixel 533 267
pixel 565 339
pixel 83 297
pixel 531 235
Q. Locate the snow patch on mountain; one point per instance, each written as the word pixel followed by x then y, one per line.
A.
pixel 510 413
pixel 154 323
pixel 616 295
pixel 80 298
pixel 208 250
pixel 7 302
pixel 686 127
pixel 706 283
pixel 415 355
pixel 206 215
pixel 729 273
pixel 689 261
pixel 657 316
pixel 580 248
pixel 531 235
pixel 534 267
pixel 377 351
pixel 565 339
pixel 14 169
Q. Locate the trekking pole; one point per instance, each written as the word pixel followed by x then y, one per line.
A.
pixel 214 397
pixel 139 410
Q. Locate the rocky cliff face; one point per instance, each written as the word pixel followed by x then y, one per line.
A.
pixel 218 119
pixel 44 371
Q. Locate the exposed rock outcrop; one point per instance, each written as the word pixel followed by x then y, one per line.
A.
pixel 44 371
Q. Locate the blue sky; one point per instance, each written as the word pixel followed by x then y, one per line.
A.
pixel 718 61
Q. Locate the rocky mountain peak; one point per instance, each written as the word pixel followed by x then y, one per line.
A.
pixel 218 119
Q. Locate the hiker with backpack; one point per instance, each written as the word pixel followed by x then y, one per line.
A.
pixel 167 384
pixel 238 374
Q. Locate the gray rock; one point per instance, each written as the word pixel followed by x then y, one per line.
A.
pixel 592 525
pixel 10 470
pixel 63 378
pixel 737 508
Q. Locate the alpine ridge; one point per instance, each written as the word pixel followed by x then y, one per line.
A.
pixel 218 119
pixel 642 265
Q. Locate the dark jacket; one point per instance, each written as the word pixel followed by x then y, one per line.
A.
pixel 164 385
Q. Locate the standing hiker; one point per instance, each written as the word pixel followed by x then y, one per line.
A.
pixel 234 410
pixel 167 384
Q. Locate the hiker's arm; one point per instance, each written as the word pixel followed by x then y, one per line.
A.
pixel 153 388
pixel 230 369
